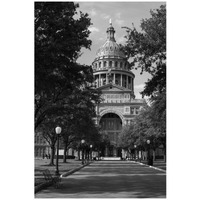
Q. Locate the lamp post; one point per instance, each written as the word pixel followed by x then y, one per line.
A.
pixel 135 146
pixel 82 145
pixel 91 152
pixel 58 131
pixel 149 160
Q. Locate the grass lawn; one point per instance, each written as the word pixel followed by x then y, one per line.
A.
pixel 42 164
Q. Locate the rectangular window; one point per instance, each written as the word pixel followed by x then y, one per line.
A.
pixel 132 111
pixel 127 110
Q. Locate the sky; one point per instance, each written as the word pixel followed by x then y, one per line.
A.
pixel 122 14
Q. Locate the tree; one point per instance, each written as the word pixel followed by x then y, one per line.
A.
pixel 148 50
pixel 47 130
pixel 59 80
pixel 59 38
pixel 79 125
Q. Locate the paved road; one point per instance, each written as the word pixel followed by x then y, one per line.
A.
pixel 108 179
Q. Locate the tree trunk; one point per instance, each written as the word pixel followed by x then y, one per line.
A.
pixel 52 155
pixel 79 154
pixel 165 155
pixel 98 154
pixel 65 153
pixel 164 145
pixel 154 155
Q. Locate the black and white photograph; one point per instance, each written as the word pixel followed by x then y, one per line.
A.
pixel 100 99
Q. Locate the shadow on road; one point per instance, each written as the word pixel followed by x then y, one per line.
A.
pixel 116 181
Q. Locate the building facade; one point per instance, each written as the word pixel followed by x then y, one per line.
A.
pixel 118 108
pixel 116 81
pixel 42 148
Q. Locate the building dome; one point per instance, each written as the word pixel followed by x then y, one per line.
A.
pixel 111 66
pixel 110 48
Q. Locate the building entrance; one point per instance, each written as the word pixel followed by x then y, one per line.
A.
pixel 111 126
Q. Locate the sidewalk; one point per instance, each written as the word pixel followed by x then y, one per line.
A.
pixel 157 163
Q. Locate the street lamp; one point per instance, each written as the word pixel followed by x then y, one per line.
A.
pixel 91 152
pixel 135 146
pixel 82 145
pixel 58 131
pixel 149 160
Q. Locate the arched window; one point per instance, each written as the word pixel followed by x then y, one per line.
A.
pixel 124 65
pixel 115 63
pixel 121 65
pixel 99 65
pixel 104 63
pixel 110 63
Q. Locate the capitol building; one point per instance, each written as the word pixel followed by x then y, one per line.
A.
pixel 115 80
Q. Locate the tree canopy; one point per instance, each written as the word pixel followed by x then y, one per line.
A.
pixel 148 50
pixel 62 86
pixel 59 38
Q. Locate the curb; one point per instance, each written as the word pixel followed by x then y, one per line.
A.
pixel 150 166
pixel 49 183
pixel 73 170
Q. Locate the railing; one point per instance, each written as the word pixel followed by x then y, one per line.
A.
pixel 123 101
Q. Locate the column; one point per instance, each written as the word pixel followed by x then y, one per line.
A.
pixel 133 83
pixel 121 80
pixel 106 78
pixel 126 81
pixel 99 80
pixel 114 78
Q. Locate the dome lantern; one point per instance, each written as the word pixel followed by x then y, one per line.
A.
pixel 110 32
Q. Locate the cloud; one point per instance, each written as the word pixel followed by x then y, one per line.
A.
pixel 137 95
pixel 121 40
pixel 118 15
pixel 93 12
pixel 139 87
pixel 105 16
pixel 119 22
pixel 93 29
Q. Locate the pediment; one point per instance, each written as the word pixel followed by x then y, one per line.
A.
pixel 113 87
